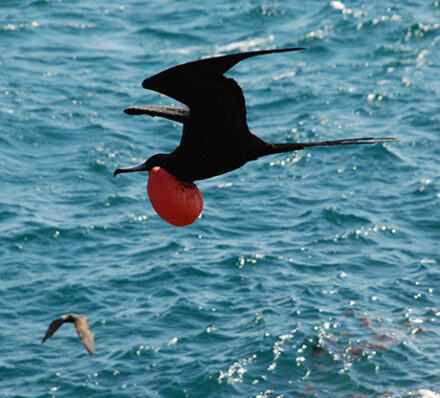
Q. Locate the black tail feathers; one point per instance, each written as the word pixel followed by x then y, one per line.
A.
pixel 288 147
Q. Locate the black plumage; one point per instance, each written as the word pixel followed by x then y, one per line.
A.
pixel 216 138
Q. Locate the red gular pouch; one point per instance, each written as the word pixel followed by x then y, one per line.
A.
pixel 178 202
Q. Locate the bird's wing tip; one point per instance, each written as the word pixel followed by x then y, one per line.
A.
pixel 145 83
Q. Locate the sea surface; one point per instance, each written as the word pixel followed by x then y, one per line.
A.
pixel 309 274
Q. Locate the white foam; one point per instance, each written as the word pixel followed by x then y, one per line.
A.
pixel 424 393
pixel 244 45
pixel 337 5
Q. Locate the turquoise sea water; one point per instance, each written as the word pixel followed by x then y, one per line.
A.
pixel 312 274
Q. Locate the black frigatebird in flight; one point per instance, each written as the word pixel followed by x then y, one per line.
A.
pixel 216 138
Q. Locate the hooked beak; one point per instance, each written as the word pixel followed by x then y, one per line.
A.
pixel 139 167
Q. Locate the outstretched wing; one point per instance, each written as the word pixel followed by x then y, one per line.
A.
pixel 178 81
pixel 216 103
pixel 53 327
pixel 177 113
pixel 84 333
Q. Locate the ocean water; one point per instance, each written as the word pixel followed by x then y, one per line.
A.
pixel 310 274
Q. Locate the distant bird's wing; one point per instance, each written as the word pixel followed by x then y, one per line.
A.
pixel 53 327
pixel 216 103
pixel 177 113
pixel 84 333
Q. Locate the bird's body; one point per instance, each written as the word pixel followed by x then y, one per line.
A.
pixel 82 328
pixel 216 138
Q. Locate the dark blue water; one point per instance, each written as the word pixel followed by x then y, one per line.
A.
pixel 311 274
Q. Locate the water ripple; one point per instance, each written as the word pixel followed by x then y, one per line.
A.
pixel 321 282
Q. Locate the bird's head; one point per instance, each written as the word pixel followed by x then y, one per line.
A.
pixel 156 160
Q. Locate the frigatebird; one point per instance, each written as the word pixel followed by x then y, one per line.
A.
pixel 82 328
pixel 216 138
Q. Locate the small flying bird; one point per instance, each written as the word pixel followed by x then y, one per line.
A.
pixel 82 328
pixel 216 138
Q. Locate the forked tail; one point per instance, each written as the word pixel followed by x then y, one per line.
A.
pixel 279 148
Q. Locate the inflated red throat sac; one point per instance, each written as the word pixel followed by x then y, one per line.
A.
pixel 177 202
